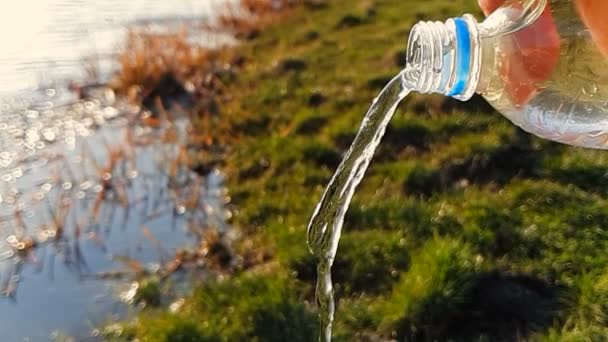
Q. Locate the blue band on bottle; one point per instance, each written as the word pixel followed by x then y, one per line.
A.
pixel 463 57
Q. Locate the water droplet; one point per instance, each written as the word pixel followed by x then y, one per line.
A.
pixel 16 132
pixel 49 135
pixel 70 141
pixel 176 305
pixel 110 112
pixel 17 172
pixel 153 267
pixel 590 89
pixel 109 95
pixel 129 295
pixel 32 114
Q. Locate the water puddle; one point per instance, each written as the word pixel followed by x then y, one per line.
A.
pixel 90 199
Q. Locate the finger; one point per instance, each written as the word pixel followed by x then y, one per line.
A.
pixel 489 6
pixel 530 56
pixel 593 13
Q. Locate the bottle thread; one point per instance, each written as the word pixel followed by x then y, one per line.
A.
pixel 444 57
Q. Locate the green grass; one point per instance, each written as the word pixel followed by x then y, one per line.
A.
pixel 243 309
pixel 464 229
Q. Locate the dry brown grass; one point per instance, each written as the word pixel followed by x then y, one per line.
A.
pixel 147 57
pixel 245 19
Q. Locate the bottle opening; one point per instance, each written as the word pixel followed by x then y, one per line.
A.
pixel 444 57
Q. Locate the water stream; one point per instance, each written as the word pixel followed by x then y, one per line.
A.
pixel 325 226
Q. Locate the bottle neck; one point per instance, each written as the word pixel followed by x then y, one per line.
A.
pixel 444 58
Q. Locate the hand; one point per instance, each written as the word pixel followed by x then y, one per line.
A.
pixel 532 55
pixel 593 13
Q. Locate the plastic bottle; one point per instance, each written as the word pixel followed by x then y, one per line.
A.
pixel 542 63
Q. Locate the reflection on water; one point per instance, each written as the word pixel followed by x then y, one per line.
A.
pixel 53 40
pixel 88 194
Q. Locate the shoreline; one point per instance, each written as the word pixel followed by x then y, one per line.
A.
pixel 45 224
pixel 461 229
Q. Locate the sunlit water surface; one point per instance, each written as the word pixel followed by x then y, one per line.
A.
pixel 51 40
pixel 55 153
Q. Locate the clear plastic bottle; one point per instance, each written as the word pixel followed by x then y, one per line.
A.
pixel 542 63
